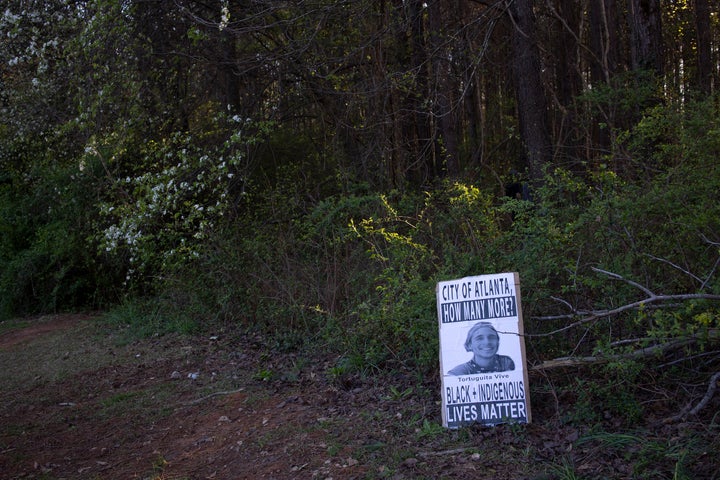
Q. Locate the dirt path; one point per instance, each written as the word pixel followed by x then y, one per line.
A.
pixel 217 407
pixel 81 402
pixel 39 327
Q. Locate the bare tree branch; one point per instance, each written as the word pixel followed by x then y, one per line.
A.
pixel 591 316
pixel 214 394
pixel 615 276
pixel 654 350
pixel 677 267
pixel 689 411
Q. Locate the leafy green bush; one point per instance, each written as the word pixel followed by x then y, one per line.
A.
pixel 146 317
pixel 46 263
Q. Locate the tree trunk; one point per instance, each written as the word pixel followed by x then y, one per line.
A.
pixel 604 46
pixel 419 129
pixel 443 84
pixel 531 103
pixel 704 39
pixel 229 86
pixel 567 80
pixel 646 46
pixel 603 40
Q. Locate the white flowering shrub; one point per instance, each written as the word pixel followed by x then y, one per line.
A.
pixel 34 65
pixel 160 216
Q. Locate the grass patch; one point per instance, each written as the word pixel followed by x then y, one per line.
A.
pixel 14 324
pixel 651 456
pixel 149 404
pixel 145 318
pixel 51 357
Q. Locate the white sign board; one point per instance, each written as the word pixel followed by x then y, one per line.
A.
pixel 482 351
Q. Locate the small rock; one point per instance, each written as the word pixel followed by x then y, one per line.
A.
pixel 175 375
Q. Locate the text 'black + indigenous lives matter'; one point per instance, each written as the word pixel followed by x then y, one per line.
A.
pixel 486 399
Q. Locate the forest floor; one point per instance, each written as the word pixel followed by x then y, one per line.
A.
pixel 80 400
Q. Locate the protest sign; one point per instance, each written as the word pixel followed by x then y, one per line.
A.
pixel 482 351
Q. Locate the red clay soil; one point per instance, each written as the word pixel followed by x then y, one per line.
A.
pixel 145 416
pixel 227 407
pixel 18 336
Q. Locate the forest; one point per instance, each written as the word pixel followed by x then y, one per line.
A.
pixel 312 169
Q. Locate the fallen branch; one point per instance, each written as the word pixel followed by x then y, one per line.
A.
pixel 689 411
pixel 207 397
pixel 591 316
pixel 708 395
pixel 654 350
pixel 454 451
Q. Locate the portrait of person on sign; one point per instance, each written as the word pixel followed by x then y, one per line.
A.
pixel 483 342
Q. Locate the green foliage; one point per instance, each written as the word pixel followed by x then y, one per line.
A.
pixel 160 217
pixel 652 457
pixel 46 264
pixel 410 241
pixel 148 317
pixel 264 375
pixel 47 207
pixel 396 394
pixel 626 96
pixel 399 325
pixel 565 470
pixel 610 394
pixel 430 429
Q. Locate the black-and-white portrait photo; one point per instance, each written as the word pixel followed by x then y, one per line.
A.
pixel 483 341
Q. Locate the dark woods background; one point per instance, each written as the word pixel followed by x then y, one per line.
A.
pixel 313 168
